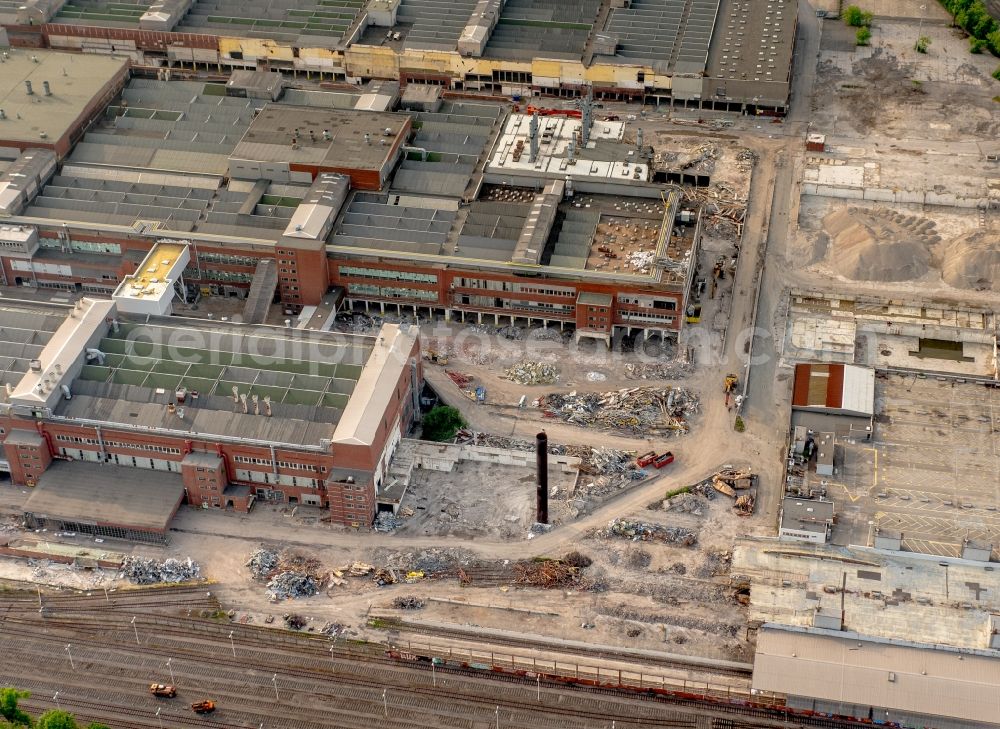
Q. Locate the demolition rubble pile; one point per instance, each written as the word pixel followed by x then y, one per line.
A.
pixel 142 571
pixel 262 563
pixel 723 210
pixel 637 410
pixel 739 485
pixel 408 602
pixel 670 370
pixel 638 531
pixel 549 573
pixel 527 372
pixel 289 574
pixel 288 585
pixel 612 469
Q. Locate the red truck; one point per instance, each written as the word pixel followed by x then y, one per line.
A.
pixel 652 459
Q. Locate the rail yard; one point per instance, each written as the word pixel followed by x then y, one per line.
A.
pixel 96 654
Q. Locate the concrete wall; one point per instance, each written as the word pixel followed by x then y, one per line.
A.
pixel 893 196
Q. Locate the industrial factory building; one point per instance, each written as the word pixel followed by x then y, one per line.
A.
pixel 878 680
pixel 719 54
pixel 225 414
pixel 467 211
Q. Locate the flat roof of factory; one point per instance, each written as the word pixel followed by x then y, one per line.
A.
pixel 271 134
pixel 74 80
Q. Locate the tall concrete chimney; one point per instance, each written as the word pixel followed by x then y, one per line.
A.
pixel 542 461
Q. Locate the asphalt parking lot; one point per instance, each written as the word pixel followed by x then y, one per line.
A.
pixel 932 470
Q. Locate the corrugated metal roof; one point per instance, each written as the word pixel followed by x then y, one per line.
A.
pixel 834 387
pixel 850 669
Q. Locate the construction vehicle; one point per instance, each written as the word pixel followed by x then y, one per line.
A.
pixel 434 356
pixel 162 690
pixel 205 706
pixel 729 386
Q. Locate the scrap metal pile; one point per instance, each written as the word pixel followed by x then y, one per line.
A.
pixel 638 531
pixel 262 563
pixel 289 574
pixel 288 585
pixel 549 573
pixel 637 410
pixel 142 571
pixel 740 485
pixel 528 372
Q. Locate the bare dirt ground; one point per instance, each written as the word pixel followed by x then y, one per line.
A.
pixel 892 111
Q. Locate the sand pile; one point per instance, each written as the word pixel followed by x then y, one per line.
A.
pixel 972 261
pixel 879 245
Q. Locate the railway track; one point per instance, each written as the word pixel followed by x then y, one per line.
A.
pixel 719 668
pixel 318 682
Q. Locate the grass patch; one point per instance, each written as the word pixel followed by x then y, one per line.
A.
pixel 677 492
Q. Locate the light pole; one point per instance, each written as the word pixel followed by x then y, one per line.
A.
pixel 385 703
pixel 538 687
pixel 170 668
pixel 498 717
pixel 70 654
pixel 56 699
pixel 434 679
pixel 334 668
pixel 136 629
pixel 158 717
pixel 921 26
pixel 274 680
pixel 231 644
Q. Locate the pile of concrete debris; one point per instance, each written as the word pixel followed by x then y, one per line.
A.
pixel 638 531
pixel 617 467
pixel 670 370
pixel 142 571
pixel 638 410
pixel 289 585
pixel 528 372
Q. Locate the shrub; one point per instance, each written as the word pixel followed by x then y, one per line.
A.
pixel 976 45
pixel 442 422
pixel 863 36
pixel 739 426
pixel 856 17
pixel 922 43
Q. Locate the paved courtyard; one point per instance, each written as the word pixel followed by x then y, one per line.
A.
pixel 931 472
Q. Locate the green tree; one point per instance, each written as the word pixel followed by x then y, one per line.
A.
pixel 993 41
pixel 56 719
pixel 854 16
pixel 9 709
pixel 922 43
pixel 976 45
pixel 863 36
pixel 442 422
